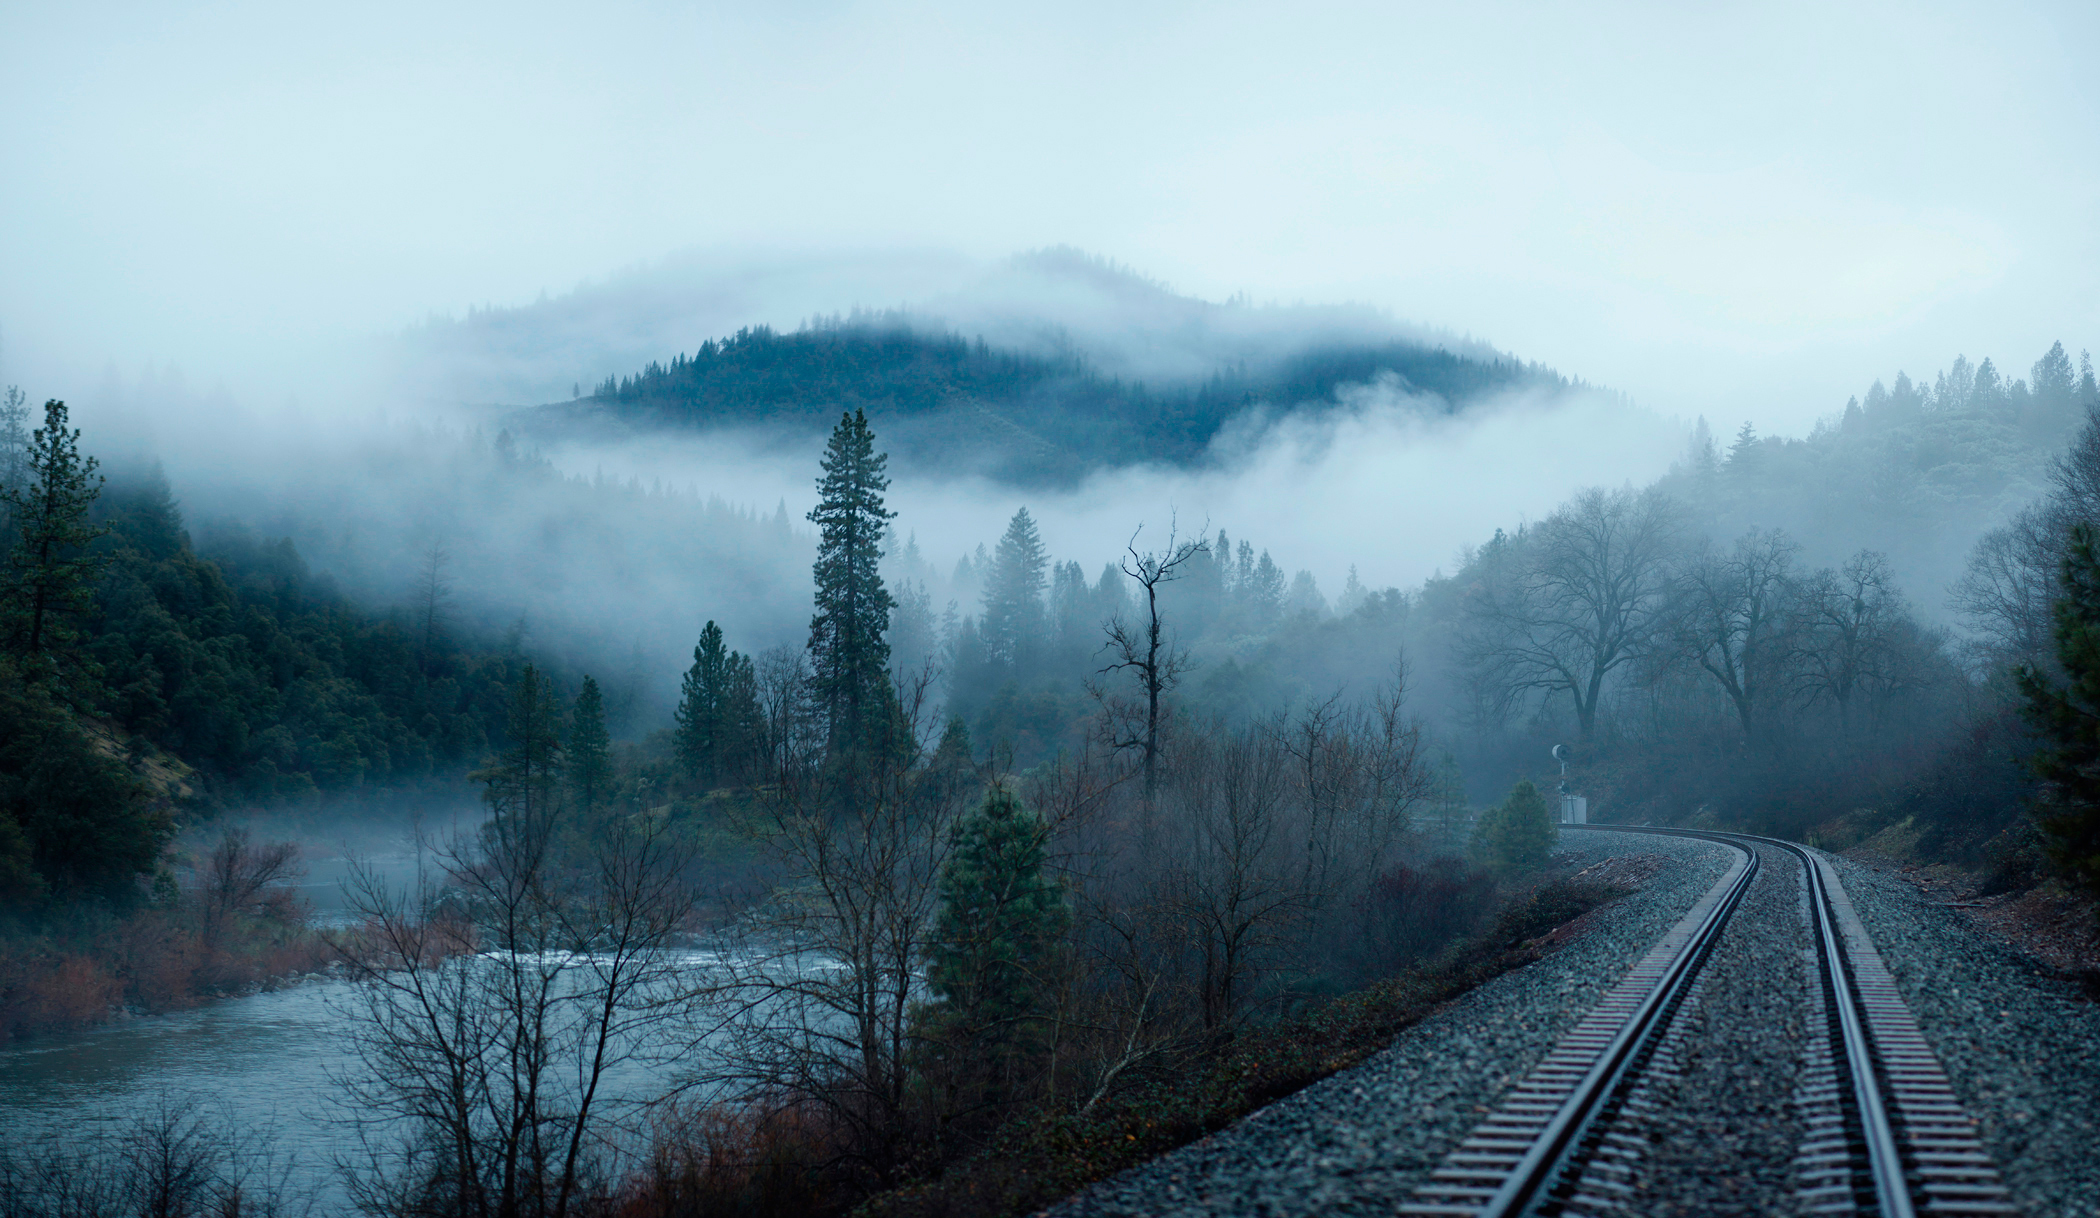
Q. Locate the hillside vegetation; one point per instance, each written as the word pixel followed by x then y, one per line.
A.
pixel 951 403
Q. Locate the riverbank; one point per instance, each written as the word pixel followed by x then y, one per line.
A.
pixel 97 967
pixel 237 927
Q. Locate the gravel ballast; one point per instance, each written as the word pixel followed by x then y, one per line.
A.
pixel 1724 1130
pixel 1357 1143
pixel 2020 1045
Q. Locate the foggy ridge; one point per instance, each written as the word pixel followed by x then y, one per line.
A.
pixel 953 405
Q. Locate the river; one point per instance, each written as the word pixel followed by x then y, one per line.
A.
pixel 263 1066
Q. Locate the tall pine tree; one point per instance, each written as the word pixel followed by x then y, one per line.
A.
pixel 51 574
pixel 700 704
pixel 1013 595
pixel 848 646
pixel 590 750
pixel 523 782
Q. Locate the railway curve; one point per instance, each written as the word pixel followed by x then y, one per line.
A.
pixel 1828 1093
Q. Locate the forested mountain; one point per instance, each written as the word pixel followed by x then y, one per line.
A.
pixel 1048 304
pixel 193 685
pixel 951 404
pixel 266 679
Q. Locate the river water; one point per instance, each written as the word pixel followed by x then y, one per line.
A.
pixel 260 1065
pixel 263 1066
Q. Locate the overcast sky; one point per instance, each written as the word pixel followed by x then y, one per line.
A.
pixel 1744 211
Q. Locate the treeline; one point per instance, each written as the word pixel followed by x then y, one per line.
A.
pixel 1050 419
pixel 1915 471
pixel 1711 646
pixel 1017 663
pixel 143 682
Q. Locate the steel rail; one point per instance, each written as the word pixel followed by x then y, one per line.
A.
pixel 1550 1154
pixel 1892 1197
pixel 1884 1158
pixel 1533 1153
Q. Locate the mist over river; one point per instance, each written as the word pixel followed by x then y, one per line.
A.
pixel 265 1067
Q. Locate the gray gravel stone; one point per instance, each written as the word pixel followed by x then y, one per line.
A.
pixel 1724 1130
pixel 1358 1142
pixel 2020 1045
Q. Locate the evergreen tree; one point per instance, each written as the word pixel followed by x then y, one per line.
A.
pixel 1742 455
pixel 1264 592
pixel 1304 596
pixel 2054 380
pixel 50 577
pixel 848 646
pixel 1001 920
pixel 1353 596
pixel 717 715
pixel 14 441
pixel 742 723
pixel 1986 389
pixel 74 820
pixel 1702 458
pixel 1951 389
pixel 2068 718
pixel 1071 605
pixel 1518 836
pixel 523 782
pixel 590 750
pixel 702 701
pixel 1013 595
pixel 1906 400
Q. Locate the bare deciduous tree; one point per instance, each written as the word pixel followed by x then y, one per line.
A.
pixel 2006 594
pixel 1270 823
pixel 496 995
pixel 239 878
pixel 1731 619
pixel 176 1161
pixel 1848 624
pixel 819 988
pixel 1146 653
pixel 1577 599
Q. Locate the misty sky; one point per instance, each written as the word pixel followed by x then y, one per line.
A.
pixel 1746 211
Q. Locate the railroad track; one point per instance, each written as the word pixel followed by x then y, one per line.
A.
pixel 1884 1132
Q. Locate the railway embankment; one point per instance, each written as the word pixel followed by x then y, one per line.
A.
pixel 1758 1030
pixel 1361 1141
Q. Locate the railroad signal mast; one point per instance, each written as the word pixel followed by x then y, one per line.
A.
pixel 1574 809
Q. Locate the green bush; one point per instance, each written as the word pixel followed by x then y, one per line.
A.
pixel 1519 835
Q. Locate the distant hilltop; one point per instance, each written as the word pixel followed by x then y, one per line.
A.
pixel 961 405
pixel 1033 372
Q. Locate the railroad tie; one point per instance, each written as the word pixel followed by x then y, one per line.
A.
pixel 1946 1165
pixel 1471 1175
